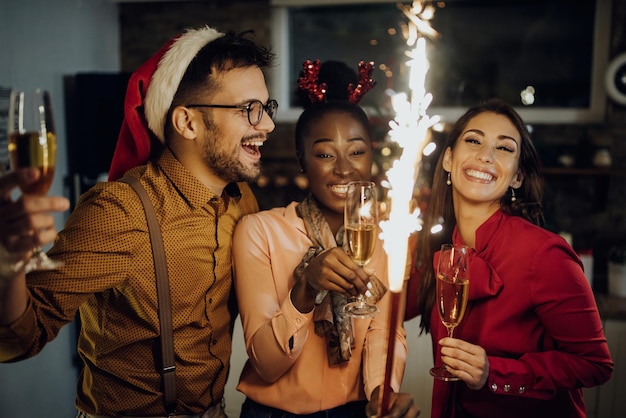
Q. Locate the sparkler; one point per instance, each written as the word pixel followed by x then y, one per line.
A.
pixel 409 129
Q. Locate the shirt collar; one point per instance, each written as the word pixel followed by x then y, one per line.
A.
pixel 486 282
pixel 189 187
pixel 484 233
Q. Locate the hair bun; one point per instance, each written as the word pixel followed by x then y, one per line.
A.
pixel 333 81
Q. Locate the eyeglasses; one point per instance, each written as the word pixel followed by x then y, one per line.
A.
pixel 255 109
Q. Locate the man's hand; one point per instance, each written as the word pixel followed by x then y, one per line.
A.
pixel 26 222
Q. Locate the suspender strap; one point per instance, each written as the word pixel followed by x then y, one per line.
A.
pixel 164 301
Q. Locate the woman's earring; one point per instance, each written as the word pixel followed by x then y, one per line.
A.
pixel 513 198
pixel 449 180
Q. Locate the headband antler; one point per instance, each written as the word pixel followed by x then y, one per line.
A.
pixel 365 84
pixel 308 82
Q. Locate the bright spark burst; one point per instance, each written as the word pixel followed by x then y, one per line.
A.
pixel 409 129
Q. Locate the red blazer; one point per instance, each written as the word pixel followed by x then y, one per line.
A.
pixel 531 308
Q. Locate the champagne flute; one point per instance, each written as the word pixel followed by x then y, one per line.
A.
pixel 452 294
pixel 361 228
pixel 32 143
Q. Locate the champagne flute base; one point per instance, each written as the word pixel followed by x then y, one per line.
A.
pixel 40 261
pixel 442 373
pixel 360 309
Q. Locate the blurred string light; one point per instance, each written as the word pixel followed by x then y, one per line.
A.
pixel 528 95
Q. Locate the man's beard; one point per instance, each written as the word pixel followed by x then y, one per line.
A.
pixel 225 163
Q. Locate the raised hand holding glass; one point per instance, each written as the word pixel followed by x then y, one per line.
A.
pixel 361 226
pixel 452 293
pixel 32 143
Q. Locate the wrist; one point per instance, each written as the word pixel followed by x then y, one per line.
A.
pixel 300 298
pixel 10 265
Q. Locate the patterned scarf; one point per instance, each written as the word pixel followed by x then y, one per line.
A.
pixel 330 321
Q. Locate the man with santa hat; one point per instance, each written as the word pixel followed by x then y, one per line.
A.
pixel 196 114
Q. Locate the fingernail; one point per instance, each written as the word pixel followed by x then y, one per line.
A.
pixel 368 294
pixel 369 285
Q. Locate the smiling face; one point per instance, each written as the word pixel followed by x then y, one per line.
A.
pixel 484 162
pixel 336 150
pixel 219 145
pixel 231 144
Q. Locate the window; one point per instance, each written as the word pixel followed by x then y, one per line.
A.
pixel 486 48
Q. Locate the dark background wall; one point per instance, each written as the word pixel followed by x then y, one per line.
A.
pixel 588 202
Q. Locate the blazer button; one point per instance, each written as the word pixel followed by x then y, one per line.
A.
pixel 494 387
pixel 507 387
pixel 521 389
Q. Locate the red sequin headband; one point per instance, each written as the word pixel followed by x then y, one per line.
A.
pixel 317 92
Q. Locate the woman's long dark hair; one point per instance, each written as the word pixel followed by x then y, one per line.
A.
pixel 441 209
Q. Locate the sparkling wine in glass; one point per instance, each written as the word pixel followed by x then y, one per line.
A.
pixel 361 227
pixel 452 293
pixel 33 143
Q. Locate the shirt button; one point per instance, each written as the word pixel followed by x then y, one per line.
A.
pixel 521 389
pixel 298 320
pixel 494 387
pixel 507 387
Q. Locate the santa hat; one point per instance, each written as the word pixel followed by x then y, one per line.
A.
pixel 149 95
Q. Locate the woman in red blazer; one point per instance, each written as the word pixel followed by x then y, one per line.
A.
pixel 531 337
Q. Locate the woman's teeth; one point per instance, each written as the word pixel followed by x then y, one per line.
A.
pixel 340 188
pixel 479 175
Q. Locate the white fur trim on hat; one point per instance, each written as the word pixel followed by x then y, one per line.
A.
pixel 169 73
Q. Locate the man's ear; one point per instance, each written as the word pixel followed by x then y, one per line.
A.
pixel 184 122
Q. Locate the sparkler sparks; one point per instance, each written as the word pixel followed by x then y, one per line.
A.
pixel 409 129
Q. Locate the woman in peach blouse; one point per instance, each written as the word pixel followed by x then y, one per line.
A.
pixel 305 357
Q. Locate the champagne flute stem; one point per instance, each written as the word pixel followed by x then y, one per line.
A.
pixel 450 331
